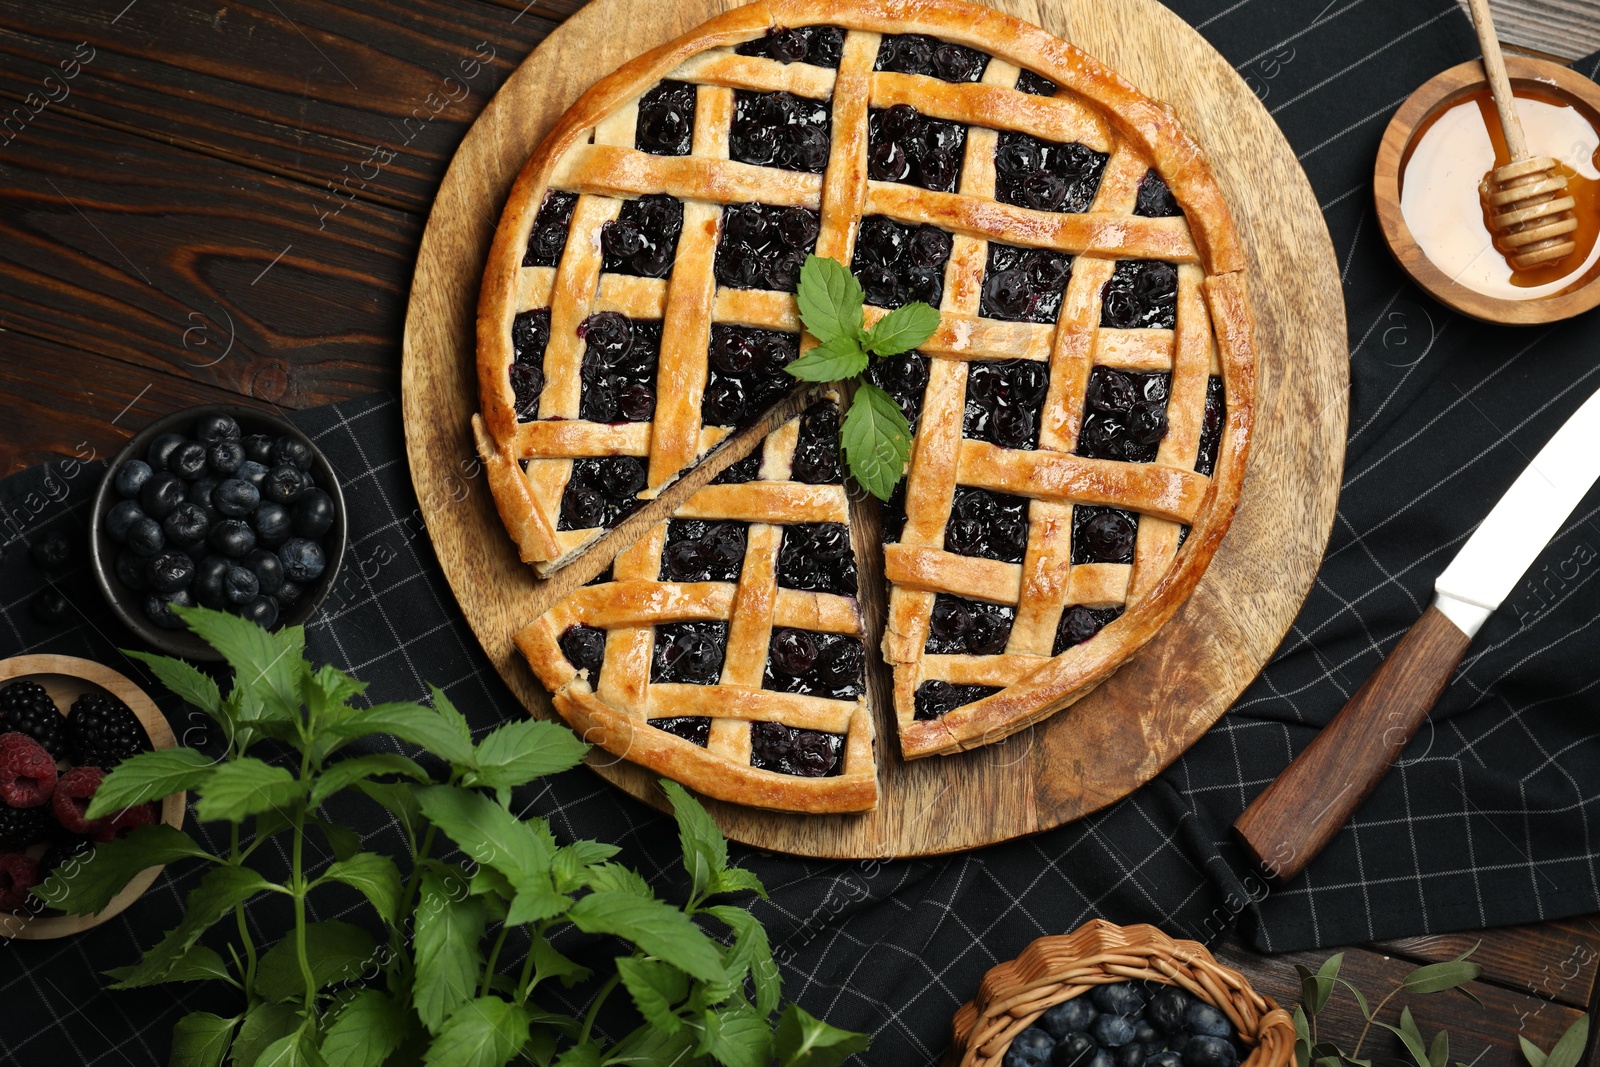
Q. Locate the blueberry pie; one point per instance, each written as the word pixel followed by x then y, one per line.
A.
pixel 1080 418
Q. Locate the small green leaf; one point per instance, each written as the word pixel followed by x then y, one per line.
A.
pixel 398 799
pixel 485 1032
pixel 619 879
pixel 1315 989
pixel 298 1049
pixel 752 952
pixel 243 787
pixel 444 736
pixel 1302 1052
pixel 149 776
pixel 367 1030
pixel 832 361
pixel 660 929
pixel 876 440
pixel 1437 977
pixel 736 1036
pixel 584 1055
pixel 902 329
pixel 705 850
pixel 185 680
pixel 1532 1053
pixel 801 1039
pixel 1439 1051
pixel 348 772
pixel 266 665
pixel 737 880
pixel 656 988
pixel 201 1039
pixel 336 951
pixel 489 833
pixel 327 693
pixel 519 752
pixel 548 963
pixel 1410 1037
pixel 85 886
pixel 1569 1050
pixel 199 964
pixel 449 956
pixel 342 841
pixel 830 300
pixel 649 1046
pixel 264 1024
pixel 1302 1027
pixel 1360 999
pixel 375 876
pixel 536 902
pixel 572 862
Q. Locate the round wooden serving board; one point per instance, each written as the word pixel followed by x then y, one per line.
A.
pixel 1162 700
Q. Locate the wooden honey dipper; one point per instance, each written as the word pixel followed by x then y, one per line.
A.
pixel 1530 212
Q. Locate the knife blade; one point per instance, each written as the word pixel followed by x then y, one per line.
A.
pixel 1304 807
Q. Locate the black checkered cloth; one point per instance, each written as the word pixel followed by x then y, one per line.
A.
pixel 1485 821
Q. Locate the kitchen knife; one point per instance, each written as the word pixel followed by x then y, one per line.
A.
pixel 1299 813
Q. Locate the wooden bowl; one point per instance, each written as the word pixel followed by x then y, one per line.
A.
pixel 1058 968
pixel 1443 91
pixel 66 678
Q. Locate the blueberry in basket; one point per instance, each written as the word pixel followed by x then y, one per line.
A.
pixel 1128 1024
pixel 220 518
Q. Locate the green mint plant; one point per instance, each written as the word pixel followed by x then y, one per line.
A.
pixel 1317 988
pixel 875 437
pixel 437 987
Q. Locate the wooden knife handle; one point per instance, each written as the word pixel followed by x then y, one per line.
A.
pixel 1299 813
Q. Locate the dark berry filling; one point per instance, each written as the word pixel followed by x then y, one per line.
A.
pixel 1004 401
pixel 816 450
pixel 695 729
pixel 689 652
pixel 747 373
pixel 1211 427
pixel 601 492
pixel 764 247
pixel 1155 200
pixel 1046 175
pixel 666 119
pixel 530 336
pixel 643 238
pixel 1035 84
pixel 905 146
pixel 905 379
pixel 619 368
pixel 815 664
pixel 1125 415
pixel 585 648
pixel 965 627
pixel 916 53
pixel 1103 535
pixel 937 698
pixel 892 513
pixel 702 551
pixel 988 525
pixel 1024 284
pixel 820 46
pixel 549 237
pixel 790 750
pixel 747 469
pixel 897 262
pixel 816 557
pixel 1079 623
pixel 1142 294
pixel 780 130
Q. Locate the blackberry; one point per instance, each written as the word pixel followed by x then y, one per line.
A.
pixel 22 827
pixel 28 709
pixel 106 731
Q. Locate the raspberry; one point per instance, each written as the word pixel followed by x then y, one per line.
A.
pixel 71 799
pixel 18 874
pixel 28 709
pixel 125 822
pixel 21 827
pixel 105 730
pixel 27 773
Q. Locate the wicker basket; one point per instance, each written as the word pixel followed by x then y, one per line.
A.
pixel 1054 969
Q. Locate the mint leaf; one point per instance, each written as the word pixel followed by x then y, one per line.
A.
pixel 149 776
pixel 737 1037
pixel 751 951
pixel 586 1055
pixel 327 692
pixel 375 876
pixel 902 329
pixel 84 886
pixel 263 1025
pixel 876 440
pixel 488 833
pixel 518 752
pixel 245 787
pixel 655 988
pixel 265 663
pixel 219 892
pixel 336 951
pixel 619 879
pixel 369 1028
pixel 199 964
pixel 298 1049
pixel 448 952
pixel 348 772
pixel 660 929
pixel 485 1032
pixel 201 1039
pixel 445 737
pixel 830 300
pixel 802 1039
pixel 186 681
pixel 535 902
pixel 831 361
pixel 705 850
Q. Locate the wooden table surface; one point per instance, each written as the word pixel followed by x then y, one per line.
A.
pixel 210 201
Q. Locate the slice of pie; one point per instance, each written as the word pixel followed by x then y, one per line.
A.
pixel 1081 417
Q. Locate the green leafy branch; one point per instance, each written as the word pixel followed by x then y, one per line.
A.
pixel 875 437
pixel 433 991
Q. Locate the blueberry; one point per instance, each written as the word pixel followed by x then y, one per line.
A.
pixel 121 518
pixel 1112 1031
pixel 224 457
pixel 289 593
pixel 1069 1016
pixel 236 498
pixel 313 514
pixel 217 427
pixel 132 475
pixel 1203 1050
pixel 208 578
pixel 1075 1049
pixel 258 448
pixel 157 608
pixel 169 572
pixel 161 448
pixel 240 585
pixel 161 494
pixel 303 560
pixel 187 525
pixel 293 451
pixel 1167 1008
pixel 268 570
pixel 233 538
pixel 284 484
pixel 188 460
pixel 263 611
pixel 1130 1055
pixel 1030 1048
pixel 1164 1059
pixel 1202 1018
pixel 49 606
pixel 272 523
pixel 1101 1058
pixel 145 537
pixel 199 492
pixel 1145 1034
pixel 130 569
pixel 51 554
pixel 253 472
pixel 1118 998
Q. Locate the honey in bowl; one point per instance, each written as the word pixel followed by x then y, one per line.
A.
pixel 1456 149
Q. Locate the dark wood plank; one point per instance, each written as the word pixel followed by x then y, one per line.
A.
pixel 193 266
pixel 366 98
pixel 1554 960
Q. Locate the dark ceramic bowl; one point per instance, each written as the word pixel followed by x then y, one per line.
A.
pixel 127 604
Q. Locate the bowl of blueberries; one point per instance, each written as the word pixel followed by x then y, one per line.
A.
pixel 221 506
